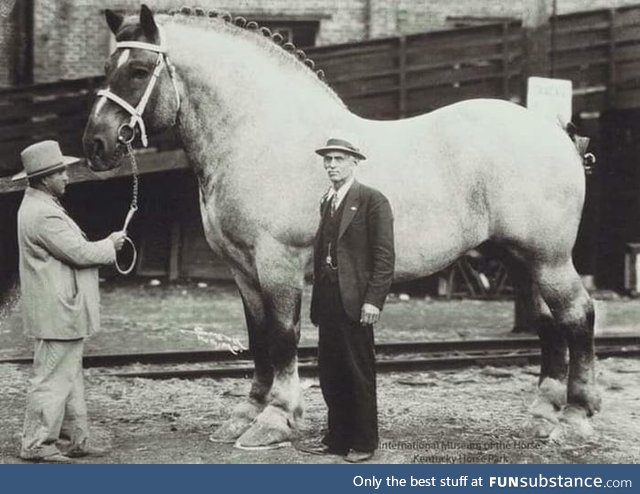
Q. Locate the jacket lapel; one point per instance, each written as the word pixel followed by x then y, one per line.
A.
pixel 351 205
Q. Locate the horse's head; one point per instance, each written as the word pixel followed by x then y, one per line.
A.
pixel 141 91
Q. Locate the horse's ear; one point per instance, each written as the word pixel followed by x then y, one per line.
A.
pixel 113 20
pixel 149 27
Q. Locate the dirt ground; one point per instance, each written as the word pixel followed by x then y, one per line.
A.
pixel 469 416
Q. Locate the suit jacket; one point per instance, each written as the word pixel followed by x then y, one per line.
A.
pixel 365 251
pixel 58 270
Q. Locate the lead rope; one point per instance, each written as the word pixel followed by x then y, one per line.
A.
pixel 133 207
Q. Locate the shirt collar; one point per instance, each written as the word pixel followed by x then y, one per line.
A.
pixel 341 192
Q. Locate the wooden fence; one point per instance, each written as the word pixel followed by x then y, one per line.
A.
pixel 408 75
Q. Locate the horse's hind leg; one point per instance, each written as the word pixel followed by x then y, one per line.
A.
pixel 551 395
pixel 244 414
pixel 573 312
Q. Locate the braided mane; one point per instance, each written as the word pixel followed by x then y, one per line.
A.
pixel 253 26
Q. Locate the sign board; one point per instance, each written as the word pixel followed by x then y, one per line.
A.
pixel 551 98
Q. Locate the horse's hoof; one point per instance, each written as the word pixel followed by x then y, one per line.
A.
pixel 241 419
pixel 270 430
pixel 230 430
pixel 577 422
pixel 554 391
pixel 543 428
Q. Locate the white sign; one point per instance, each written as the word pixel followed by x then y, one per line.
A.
pixel 551 98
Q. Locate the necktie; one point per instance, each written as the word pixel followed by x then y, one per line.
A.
pixel 334 201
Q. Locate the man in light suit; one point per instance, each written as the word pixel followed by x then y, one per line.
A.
pixel 353 269
pixel 60 305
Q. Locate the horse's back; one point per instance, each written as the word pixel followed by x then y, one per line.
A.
pixel 472 171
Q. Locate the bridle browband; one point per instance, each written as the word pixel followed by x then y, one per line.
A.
pixel 136 113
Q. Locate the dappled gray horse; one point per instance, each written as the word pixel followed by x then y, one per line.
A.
pixel 249 115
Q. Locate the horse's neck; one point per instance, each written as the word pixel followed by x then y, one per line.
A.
pixel 240 96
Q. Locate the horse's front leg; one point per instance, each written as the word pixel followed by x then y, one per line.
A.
pixel 245 413
pixel 280 272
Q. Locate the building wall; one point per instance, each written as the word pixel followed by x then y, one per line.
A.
pixel 72 40
pixel 8 42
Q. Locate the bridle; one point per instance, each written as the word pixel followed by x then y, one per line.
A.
pixel 127 131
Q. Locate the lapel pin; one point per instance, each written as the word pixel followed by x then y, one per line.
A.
pixel 353 208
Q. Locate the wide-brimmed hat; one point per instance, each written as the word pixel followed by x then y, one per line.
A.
pixel 43 158
pixel 334 144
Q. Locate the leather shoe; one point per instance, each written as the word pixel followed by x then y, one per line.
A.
pixel 86 451
pixel 354 456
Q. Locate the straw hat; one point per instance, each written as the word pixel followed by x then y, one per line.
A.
pixel 43 158
pixel 334 144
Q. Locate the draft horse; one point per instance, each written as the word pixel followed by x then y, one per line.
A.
pixel 249 114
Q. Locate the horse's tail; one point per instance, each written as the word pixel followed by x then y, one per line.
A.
pixel 581 143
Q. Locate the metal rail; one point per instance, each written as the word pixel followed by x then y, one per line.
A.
pixel 389 354
pixel 388 363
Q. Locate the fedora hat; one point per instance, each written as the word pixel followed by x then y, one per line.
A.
pixel 334 144
pixel 43 158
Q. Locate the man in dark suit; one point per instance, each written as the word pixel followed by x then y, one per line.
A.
pixel 353 269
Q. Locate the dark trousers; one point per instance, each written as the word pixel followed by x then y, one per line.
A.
pixel 346 357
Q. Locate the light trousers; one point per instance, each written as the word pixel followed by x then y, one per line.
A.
pixel 55 401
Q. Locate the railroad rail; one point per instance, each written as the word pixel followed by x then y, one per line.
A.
pixel 391 357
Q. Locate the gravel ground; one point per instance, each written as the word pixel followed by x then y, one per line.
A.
pixel 469 416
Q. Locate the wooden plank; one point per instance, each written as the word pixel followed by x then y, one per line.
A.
pixel 471 60
pixel 50 126
pixel 591 75
pixel 452 54
pixel 593 39
pixel 628 71
pixel 428 99
pixel 627 52
pixel 74 85
pixel 583 59
pixel 625 34
pixel 367 87
pixel 378 106
pixel 477 35
pixel 582 19
pixel 64 105
pixel 147 163
pixel 457 75
pixel 581 29
pixel 627 98
pixel 352 50
pixel 628 16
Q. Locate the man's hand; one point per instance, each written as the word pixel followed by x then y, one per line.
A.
pixel 370 314
pixel 118 239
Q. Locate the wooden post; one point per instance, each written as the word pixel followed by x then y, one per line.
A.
pixel 23 48
pixel 536 41
pixel 613 79
pixel 402 76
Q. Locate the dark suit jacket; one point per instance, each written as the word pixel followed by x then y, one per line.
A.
pixel 365 251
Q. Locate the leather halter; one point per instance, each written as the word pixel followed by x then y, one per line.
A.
pixel 136 113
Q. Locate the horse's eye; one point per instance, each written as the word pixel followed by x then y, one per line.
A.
pixel 138 73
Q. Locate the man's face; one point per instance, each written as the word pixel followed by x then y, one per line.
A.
pixel 56 183
pixel 340 167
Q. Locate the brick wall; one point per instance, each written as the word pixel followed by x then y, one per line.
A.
pixel 71 38
pixel 8 40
